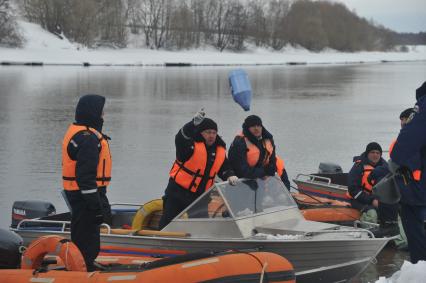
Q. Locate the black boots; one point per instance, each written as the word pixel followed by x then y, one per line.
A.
pixel 388 229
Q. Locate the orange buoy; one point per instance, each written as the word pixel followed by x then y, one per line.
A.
pixel 54 245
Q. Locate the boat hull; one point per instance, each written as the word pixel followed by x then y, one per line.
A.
pixel 345 258
pixel 322 189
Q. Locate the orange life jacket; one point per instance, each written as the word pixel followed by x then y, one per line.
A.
pixel 417 174
pixel 189 174
pixel 366 186
pixel 280 165
pixel 253 152
pixel 103 176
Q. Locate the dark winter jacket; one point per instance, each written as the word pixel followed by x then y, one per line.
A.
pixel 184 142
pixel 410 146
pixel 238 156
pixel 85 146
pixel 355 178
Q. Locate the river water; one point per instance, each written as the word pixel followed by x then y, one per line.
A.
pixel 316 113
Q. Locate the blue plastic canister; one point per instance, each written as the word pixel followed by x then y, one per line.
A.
pixel 240 88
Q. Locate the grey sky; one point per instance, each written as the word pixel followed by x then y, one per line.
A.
pixel 398 15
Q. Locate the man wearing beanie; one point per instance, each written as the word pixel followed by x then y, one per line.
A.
pixel 200 156
pixel 252 153
pixel 367 170
pixel 410 146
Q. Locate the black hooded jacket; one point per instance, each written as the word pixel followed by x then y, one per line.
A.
pixel 238 156
pixel 85 146
pixel 355 178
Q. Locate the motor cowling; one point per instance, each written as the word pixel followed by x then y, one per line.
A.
pixel 329 168
pixel 31 209
pixel 10 243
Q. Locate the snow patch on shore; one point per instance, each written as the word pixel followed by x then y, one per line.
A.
pixel 409 273
pixel 45 47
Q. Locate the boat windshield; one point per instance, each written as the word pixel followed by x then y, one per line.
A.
pixel 248 197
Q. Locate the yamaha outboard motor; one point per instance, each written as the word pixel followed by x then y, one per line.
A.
pixel 10 243
pixel 30 209
pixel 329 168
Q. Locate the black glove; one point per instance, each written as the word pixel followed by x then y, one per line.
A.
pixel 94 207
pixel 99 219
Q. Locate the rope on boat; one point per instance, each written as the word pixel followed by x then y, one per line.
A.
pixel 263 271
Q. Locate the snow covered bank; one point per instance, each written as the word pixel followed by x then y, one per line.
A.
pixel 42 46
pixel 409 273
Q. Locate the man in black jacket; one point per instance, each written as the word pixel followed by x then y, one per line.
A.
pixel 365 173
pixel 86 172
pixel 200 156
pixel 252 153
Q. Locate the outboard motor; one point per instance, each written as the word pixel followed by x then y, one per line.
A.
pixel 10 243
pixel 329 168
pixel 30 209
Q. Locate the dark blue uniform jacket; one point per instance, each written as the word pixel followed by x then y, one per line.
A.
pixel 410 152
pixel 355 178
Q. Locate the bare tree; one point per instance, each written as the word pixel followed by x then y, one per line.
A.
pixel 182 31
pixel 111 21
pixel 277 11
pixel 9 35
pixel 154 16
pixel 257 22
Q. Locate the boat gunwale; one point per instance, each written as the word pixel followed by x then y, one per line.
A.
pixel 188 239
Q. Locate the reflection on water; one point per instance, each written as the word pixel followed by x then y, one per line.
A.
pixel 316 113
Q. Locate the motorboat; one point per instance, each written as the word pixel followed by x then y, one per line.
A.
pixel 330 182
pixel 252 215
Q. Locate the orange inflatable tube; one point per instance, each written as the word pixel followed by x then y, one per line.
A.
pixel 224 267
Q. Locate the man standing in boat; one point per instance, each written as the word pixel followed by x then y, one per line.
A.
pixel 409 146
pixel 86 172
pixel 200 156
pixel 361 179
pixel 252 153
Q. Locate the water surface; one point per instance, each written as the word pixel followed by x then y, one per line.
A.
pixel 316 113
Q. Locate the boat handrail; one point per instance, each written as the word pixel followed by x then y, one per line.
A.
pixel 360 230
pixel 314 178
pixel 366 223
pixel 126 204
pixel 63 223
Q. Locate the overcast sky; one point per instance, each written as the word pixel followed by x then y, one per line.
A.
pixel 398 15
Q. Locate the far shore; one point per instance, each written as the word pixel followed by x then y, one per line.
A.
pixel 42 48
pixel 154 58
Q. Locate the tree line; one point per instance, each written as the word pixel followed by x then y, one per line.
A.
pixel 223 24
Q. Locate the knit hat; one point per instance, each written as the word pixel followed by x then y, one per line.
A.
pixel 207 124
pixel 251 121
pixel 373 146
pixel 406 113
pixel 421 91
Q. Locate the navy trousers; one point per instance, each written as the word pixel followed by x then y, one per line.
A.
pixel 85 233
pixel 413 218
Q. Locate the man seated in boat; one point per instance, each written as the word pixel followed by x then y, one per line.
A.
pixel 365 172
pixel 252 153
pixel 200 156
